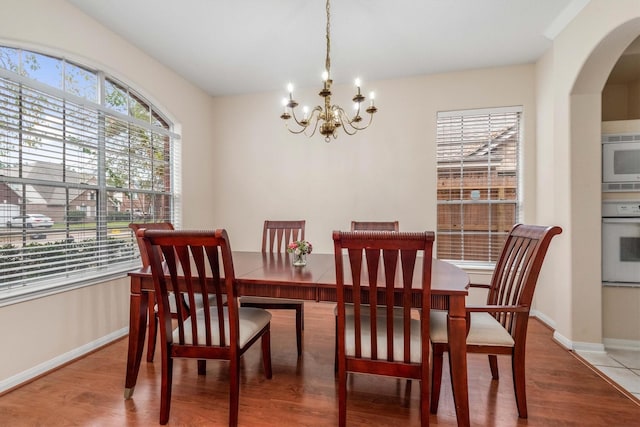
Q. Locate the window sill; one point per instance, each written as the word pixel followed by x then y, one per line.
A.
pixel 46 288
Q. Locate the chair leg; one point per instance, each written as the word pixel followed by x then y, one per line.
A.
pixel 424 406
pixel 202 367
pixel 342 395
pixel 234 390
pixel 153 329
pixel 266 354
pixel 493 364
pixel 436 377
pixel 299 327
pixel 165 390
pixel 335 351
pixel 519 381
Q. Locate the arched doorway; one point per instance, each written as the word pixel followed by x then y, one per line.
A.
pixel 571 77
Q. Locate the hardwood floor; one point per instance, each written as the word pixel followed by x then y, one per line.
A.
pixel 89 392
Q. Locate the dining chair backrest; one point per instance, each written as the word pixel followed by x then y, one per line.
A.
pixel 135 226
pixel 375 226
pixel 276 235
pixel 380 275
pixel 193 258
pixel 516 274
pixel 383 275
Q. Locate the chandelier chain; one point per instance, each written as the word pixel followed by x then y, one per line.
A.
pixel 328 36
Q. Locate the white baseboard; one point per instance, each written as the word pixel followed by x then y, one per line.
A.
pixel 562 340
pixel 543 318
pixel 592 347
pixel 611 343
pixel 619 344
pixel 56 362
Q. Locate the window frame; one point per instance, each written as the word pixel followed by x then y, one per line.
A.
pixel 164 184
pixel 496 238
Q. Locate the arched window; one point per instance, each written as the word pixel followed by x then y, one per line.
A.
pixel 81 156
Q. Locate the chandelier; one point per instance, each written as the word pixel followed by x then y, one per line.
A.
pixel 328 118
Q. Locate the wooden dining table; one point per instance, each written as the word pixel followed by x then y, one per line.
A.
pixel 273 275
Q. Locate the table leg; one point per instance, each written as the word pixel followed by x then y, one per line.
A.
pixel 139 303
pixel 458 358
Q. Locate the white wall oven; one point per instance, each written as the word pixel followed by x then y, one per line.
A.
pixel 621 243
pixel 620 163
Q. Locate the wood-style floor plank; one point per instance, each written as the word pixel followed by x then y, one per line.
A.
pixel 89 392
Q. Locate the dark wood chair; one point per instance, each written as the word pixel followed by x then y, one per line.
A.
pixel 144 258
pixel 375 226
pixel 379 280
pixel 500 326
pixel 218 331
pixel 276 235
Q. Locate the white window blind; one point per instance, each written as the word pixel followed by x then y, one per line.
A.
pixel 478 182
pixel 92 166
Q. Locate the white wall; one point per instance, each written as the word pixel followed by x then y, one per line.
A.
pixel 42 332
pixel 570 79
pixel 386 172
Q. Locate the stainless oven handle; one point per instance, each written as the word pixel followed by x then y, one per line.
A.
pixel 621 220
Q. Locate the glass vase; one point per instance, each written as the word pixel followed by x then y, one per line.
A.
pixel 300 259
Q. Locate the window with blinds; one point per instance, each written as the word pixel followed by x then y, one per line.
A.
pixel 478 181
pixel 81 156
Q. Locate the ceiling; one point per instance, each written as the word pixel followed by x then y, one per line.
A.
pixel 233 47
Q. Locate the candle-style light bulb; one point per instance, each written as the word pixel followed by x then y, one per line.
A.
pixel 325 75
pixel 284 104
pixel 290 88
pixel 305 111
pixel 372 95
pixel 357 82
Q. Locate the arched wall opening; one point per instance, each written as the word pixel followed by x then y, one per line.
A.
pixel 576 71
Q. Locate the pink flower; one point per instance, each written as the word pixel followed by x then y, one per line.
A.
pixel 299 247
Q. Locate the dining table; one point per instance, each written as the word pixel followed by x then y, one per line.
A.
pixel 274 275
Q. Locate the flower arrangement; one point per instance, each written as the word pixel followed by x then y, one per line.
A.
pixel 299 247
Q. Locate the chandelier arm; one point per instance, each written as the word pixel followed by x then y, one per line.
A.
pixel 297 132
pixel 358 110
pixel 341 117
pixel 316 121
pixel 365 126
pixel 317 109
pixel 298 122
pixel 345 120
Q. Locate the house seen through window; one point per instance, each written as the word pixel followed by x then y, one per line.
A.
pixel 478 182
pixel 81 156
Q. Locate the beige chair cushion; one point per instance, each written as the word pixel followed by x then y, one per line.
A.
pixel 484 330
pixel 251 321
pixel 398 346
